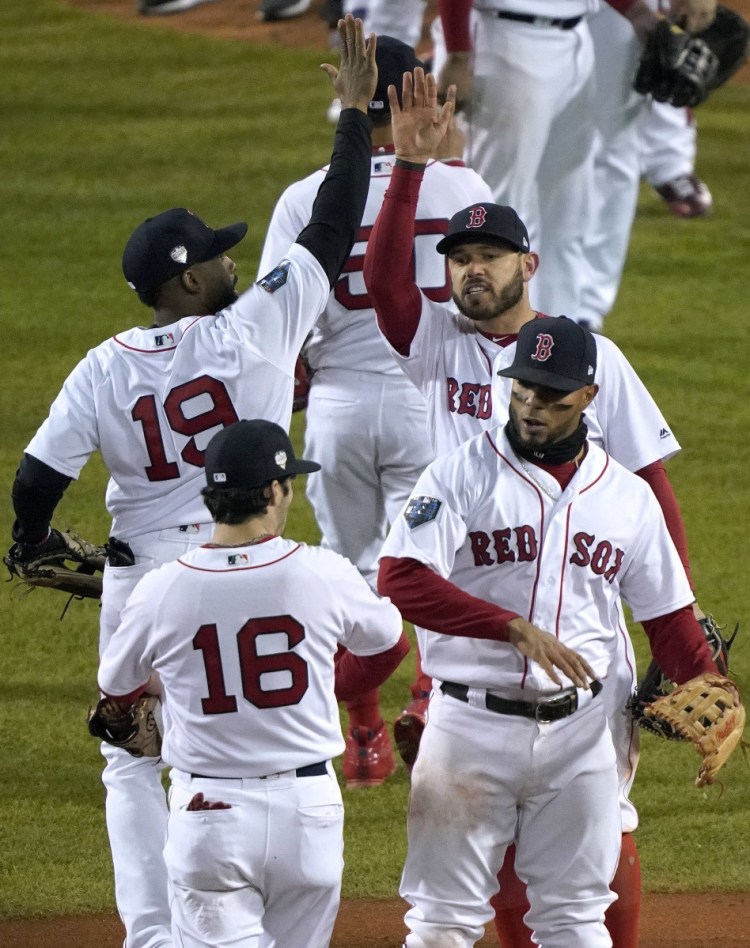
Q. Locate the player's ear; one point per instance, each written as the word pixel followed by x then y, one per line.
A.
pixel 589 393
pixel 529 265
pixel 189 281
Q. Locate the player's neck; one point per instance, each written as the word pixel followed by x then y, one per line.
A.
pixel 510 321
pixel 242 534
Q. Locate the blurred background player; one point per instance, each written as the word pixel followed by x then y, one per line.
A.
pixel 366 423
pixel 668 141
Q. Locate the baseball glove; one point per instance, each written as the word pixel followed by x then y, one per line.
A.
pixel 134 729
pixel 708 712
pixel 63 561
pixel 655 684
pixel 729 39
pixel 676 67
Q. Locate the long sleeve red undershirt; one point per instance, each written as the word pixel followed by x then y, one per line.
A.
pixel 432 602
pixel 387 269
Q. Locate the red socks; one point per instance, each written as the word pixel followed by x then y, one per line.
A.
pixel 510 903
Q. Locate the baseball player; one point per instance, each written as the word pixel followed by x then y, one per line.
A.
pixel 620 114
pixel 149 399
pixel 514 551
pixel 365 422
pixel 243 634
pixel 454 360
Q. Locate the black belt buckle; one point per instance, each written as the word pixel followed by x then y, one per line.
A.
pixel 558 707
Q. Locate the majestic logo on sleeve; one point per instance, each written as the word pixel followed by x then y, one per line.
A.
pixel 421 510
pixel 544 344
pixel 276 278
pixel 477 217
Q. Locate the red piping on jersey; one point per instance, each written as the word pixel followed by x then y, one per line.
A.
pixel 632 745
pixel 239 569
pixel 144 351
pixel 161 348
pixel 599 476
pixel 562 571
pixel 541 539
pixel 485 356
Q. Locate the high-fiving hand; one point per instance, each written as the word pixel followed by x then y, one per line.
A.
pixel 418 125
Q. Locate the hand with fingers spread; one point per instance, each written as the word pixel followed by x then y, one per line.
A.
pixel 419 125
pixel 356 78
pixel 550 653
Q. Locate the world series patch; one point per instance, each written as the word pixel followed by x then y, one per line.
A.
pixel 276 278
pixel 421 510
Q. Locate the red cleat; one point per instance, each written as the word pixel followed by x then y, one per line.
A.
pixel 687 196
pixel 368 758
pixel 408 727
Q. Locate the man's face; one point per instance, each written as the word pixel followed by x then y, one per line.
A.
pixel 219 279
pixel 487 279
pixel 544 415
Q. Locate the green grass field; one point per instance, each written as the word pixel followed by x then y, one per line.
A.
pixel 104 124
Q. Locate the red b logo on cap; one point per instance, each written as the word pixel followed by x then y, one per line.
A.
pixel 477 217
pixel 544 343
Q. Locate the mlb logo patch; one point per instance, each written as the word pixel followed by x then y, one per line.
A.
pixel 165 340
pixel 237 559
pixel 421 510
pixel 276 278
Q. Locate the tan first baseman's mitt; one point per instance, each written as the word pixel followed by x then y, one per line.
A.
pixel 708 712
pixel 134 729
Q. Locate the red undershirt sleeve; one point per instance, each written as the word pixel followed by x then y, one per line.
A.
pixel 655 475
pixel 679 645
pixel 357 674
pixel 455 18
pixel 388 267
pixel 426 599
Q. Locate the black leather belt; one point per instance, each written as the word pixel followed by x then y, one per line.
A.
pixel 545 710
pixel 562 24
pixel 311 770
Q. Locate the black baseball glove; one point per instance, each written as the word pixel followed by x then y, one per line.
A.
pixel 676 67
pixel 728 37
pixel 655 684
pixel 63 561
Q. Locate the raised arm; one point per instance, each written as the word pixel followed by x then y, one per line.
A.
pixel 418 132
pixel 340 202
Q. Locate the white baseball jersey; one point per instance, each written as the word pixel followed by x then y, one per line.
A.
pixel 346 335
pixel 365 422
pixel 562 561
pixel 243 639
pixel 151 399
pixel 455 367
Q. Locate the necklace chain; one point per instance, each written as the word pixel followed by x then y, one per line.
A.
pixel 543 487
pixel 264 536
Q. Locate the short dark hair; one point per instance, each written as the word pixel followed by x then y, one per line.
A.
pixel 233 505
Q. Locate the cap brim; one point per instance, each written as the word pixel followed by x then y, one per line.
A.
pixel 227 237
pixel 547 379
pixel 451 240
pixel 300 466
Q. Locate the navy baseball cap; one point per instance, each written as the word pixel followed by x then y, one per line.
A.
pixel 554 352
pixel 393 59
pixel 252 453
pixel 165 245
pixel 485 223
